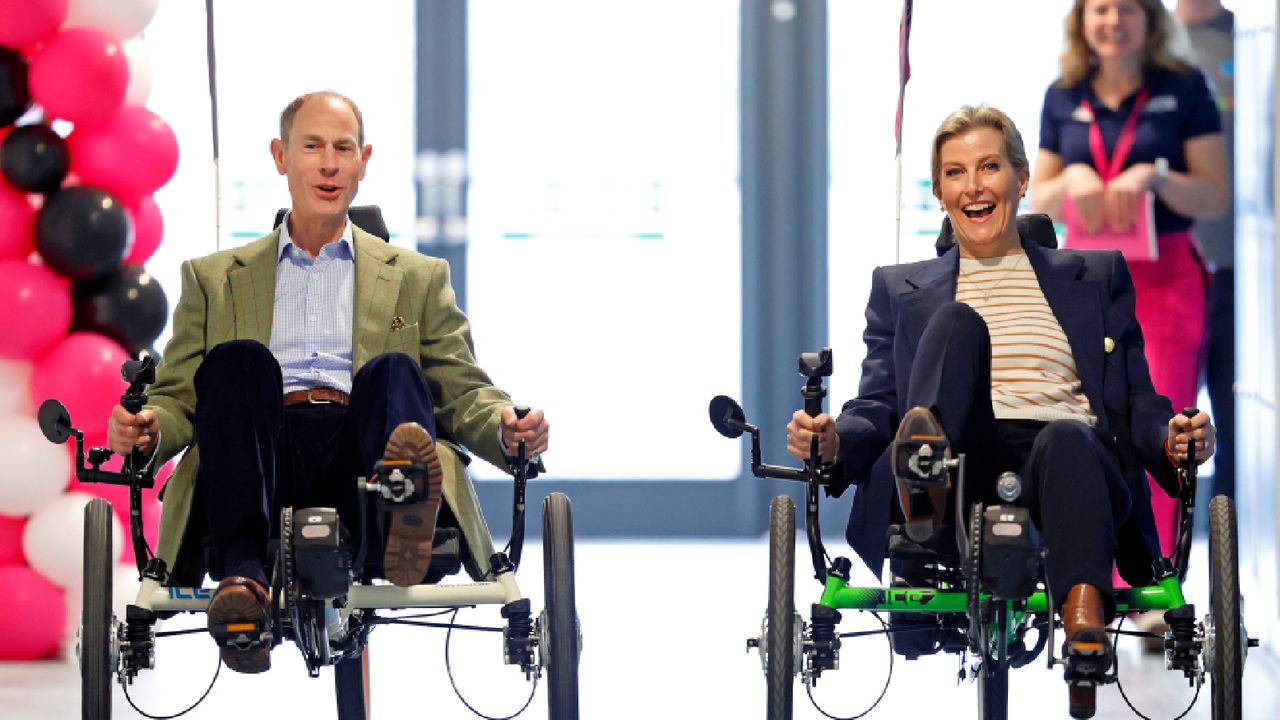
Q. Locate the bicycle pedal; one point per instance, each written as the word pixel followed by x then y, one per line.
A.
pixel 241 635
pixel 1087 661
pixel 922 462
pixel 399 481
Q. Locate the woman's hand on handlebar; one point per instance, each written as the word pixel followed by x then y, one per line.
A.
pixel 125 431
pixel 1182 429
pixel 801 431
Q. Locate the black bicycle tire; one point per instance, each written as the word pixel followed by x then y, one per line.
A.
pixel 349 688
pixel 1224 602
pixel 95 629
pixel 561 659
pixel 993 684
pixel 780 620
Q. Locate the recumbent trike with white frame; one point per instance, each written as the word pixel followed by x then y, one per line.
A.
pixel 317 598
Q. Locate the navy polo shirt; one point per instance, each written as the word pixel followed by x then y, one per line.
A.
pixel 1179 107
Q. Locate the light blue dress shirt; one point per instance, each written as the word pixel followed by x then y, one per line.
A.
pixel 311 317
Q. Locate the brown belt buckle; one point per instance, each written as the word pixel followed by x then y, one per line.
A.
pixel 316 401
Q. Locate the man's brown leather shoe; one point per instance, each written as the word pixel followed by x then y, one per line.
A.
pixel 1087 648
pixel 413 524
pixel 238 614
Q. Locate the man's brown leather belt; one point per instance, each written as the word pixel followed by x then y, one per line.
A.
pixel 316 396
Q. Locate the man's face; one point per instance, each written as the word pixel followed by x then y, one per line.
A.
pixel 322 158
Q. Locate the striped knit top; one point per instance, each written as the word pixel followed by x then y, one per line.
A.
pixel 1033 374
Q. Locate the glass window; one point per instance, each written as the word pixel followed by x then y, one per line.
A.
pixel 603 270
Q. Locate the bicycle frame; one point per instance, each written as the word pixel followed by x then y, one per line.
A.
pixel 502 590
pixel 838 595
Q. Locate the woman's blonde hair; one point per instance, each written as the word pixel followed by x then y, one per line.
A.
pixel 1165 45
pixel 972 117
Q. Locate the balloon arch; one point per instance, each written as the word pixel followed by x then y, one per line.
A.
pixel 77 225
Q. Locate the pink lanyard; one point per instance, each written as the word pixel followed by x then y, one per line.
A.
pixel 1108 170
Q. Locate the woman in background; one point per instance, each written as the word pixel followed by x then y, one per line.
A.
pixel 1128 116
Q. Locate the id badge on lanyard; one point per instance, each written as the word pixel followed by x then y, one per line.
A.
pixel 1138 241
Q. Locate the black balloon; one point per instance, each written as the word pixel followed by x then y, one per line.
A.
pixel 34 158
pixel 128 306
pixel 15 97
pixel 82 233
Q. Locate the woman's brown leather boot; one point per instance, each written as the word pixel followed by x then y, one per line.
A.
pixel 1087 649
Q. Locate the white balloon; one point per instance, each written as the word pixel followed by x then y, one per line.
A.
pixel 14 398
pixel 140 75
pixel 34 471
pixel 124 591
pixel 121 18
pixel 54 540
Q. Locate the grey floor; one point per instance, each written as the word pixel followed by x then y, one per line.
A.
pixel 665 628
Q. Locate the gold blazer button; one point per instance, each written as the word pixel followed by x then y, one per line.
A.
pixel 1108 345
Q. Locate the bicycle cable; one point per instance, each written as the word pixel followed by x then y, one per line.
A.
pixel 180 713
pixel 448 668
pixel 1120 687
pixel 885 689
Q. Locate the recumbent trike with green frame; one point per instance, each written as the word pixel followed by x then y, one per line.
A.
pixel 981 597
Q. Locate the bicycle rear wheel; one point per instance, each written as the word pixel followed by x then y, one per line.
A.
pixel 349 686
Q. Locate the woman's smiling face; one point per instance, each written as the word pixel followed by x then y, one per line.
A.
pixel 980 190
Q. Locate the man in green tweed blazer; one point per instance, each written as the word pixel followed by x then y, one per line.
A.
pixel 239 304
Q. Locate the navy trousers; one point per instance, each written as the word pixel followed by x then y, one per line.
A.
pixel 1072 480
pixel 258 456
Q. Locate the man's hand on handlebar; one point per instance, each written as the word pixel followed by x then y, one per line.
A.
pixel 532 428
pixel 801 431
pixel 1183 428
pixel 125 431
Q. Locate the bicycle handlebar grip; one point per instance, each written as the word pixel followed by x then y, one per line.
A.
pixel 1190 412
pixel 133 402
pixel 813 406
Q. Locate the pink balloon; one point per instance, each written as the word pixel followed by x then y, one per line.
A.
pixel 26 22
pixel 82 371
pixel 11 540
pixel 35 309
pixel 130 155
pixel 36 612
pixel 17 223
pixel 148 229
pixel 80 75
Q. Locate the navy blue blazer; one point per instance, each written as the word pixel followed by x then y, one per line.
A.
pixel 1092 295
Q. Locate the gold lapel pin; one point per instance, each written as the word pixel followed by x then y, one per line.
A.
pixel 397 323
pixel 1108 345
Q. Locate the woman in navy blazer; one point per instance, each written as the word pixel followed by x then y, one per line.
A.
pixel 928 371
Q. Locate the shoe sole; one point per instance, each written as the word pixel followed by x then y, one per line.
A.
pixel 233 607
pixel 1082 700
pixel 922 504
pixel 413 525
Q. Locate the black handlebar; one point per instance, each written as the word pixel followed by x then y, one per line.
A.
pixel 523 469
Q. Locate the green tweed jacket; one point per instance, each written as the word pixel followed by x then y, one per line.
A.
pixel 229 295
